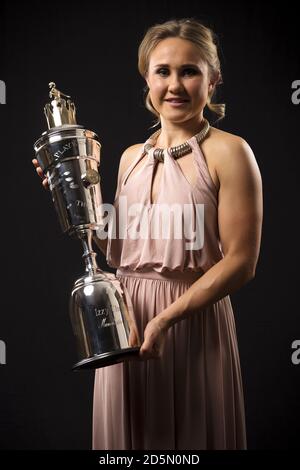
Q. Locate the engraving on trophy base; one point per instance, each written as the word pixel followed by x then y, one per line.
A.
pixel 106 317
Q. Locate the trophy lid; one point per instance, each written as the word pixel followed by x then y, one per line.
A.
pixel 61 110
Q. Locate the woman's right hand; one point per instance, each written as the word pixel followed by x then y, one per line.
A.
pixel 40 173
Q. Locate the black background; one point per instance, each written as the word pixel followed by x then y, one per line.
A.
pixel 90 50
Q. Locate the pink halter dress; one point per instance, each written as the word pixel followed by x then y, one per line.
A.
pixel 191 397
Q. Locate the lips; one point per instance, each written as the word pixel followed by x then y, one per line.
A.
pixel 177 100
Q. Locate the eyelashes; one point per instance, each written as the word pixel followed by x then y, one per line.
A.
pixel 164 72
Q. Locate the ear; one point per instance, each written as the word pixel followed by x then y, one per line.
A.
pixel 147 81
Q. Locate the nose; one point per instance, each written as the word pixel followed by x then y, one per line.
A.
pixel 175 83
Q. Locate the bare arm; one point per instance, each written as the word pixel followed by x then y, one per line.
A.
pixel 240 220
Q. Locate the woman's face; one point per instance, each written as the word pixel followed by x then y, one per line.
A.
pixel 178 80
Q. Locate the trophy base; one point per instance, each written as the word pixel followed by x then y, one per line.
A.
pixel 106 359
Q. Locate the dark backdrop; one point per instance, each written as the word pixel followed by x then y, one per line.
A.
pixel 90 50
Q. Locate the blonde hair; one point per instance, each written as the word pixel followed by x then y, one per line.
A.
pixel 192 30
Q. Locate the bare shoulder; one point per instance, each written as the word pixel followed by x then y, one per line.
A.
pixel 127 158
pixel 231 154
pixel 131 151
pixel 227 142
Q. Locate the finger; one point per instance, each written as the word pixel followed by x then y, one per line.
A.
pixel 145 348
pixel 152 353
pixel 143 354
pixel 45 183
pixel 35 162
pixel 39 172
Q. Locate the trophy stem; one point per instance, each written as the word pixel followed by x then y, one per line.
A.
pixel 89 256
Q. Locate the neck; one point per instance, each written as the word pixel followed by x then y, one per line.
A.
pixel 173 134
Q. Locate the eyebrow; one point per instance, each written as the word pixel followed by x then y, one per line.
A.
pixel 182 66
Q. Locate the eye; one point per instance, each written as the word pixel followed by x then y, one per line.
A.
pixel 163 72
pixel 190 72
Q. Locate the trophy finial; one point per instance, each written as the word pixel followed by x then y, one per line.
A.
pixel 61 110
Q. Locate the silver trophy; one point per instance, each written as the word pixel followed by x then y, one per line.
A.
pixel 100 307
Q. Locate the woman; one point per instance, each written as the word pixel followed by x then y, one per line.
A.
pixel 191 396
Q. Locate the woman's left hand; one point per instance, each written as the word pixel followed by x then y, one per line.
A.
pixel 154 338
